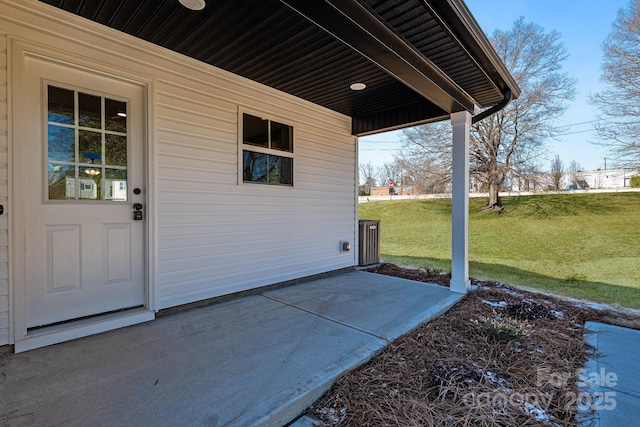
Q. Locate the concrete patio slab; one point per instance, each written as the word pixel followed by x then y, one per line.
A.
pixel 256 360
pixel 393 306
pixel 614 375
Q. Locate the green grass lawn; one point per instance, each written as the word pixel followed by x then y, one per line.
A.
pixel 581 245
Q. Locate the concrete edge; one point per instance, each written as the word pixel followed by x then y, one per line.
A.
pixel 304 396
pixel 286 415
pixel 426 316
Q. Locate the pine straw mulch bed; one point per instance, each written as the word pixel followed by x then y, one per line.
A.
pixel 500 357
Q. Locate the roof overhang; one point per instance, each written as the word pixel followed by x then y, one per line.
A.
pixel 421 60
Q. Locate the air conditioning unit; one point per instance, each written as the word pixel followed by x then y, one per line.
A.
pixel 369 241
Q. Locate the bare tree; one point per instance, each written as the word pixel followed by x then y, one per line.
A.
pixel 574 168
pixel 390 172
pixel 426 157
pixel 512 141
pixel 620 100
pixel 368 176
pixel 556 172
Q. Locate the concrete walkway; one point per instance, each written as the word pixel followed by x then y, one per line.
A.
pixel 614 374
pixel 256 360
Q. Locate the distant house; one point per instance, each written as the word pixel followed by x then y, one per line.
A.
pixel 153 156
pixel 600 178
pixel 385 191
pixel 582 180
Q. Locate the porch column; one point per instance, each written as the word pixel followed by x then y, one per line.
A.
pixel 461 123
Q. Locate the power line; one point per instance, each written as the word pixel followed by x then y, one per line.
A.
pixel 381 142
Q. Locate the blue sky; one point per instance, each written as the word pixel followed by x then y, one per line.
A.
pixel 583 25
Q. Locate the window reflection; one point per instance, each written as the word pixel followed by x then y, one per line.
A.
pixel 61 105
pixel 62 143
pixel 267 168
pixel 116 150
pixel 62 182
pixel 90 111
pixel 86 164
pixel 115 115
pixel 89 146
pixel 265 165
pixel 115 184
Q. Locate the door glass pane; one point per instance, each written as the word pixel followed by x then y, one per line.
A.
pixel 89 183
pixel 90 111
pixel 116 115
pixel 62 179
pixel 86 164
pixel 115 184
pixel 60 105
pixel 61 143
pixel 90 147
pixel 115 149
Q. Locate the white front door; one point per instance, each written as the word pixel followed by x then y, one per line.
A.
pixel 82 169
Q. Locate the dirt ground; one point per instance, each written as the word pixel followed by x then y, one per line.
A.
pixel 500 357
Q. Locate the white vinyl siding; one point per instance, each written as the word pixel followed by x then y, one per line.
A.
pixel 4 193
pixel 216 236
pixel 210 235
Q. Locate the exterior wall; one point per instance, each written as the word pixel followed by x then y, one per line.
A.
pixel 613 178
pixel 595 179
pixel 384 191
pixel 4 192
pixel 209 235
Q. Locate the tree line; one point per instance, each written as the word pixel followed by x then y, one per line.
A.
pixel 509 145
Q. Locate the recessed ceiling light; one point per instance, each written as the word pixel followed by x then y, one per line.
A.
pixel 358 86
pixel 193 4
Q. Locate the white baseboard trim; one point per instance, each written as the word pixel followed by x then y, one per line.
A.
pixel 82 328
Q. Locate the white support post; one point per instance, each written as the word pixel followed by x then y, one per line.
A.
pixel 461 123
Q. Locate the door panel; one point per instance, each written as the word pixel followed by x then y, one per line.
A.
pixel 64 246
pixel 84 151
pixel 117 253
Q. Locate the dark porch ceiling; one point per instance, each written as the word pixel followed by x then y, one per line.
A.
pixel 420 59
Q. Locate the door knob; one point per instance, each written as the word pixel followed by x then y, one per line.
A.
pixel 137 207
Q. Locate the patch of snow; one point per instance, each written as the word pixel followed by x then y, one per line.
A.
pixel 495 304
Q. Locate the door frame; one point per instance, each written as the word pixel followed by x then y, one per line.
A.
pixel 22 340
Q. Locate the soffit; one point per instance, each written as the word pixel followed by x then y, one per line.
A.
pixel 404 50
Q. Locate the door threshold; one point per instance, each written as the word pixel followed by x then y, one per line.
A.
pixel 68 331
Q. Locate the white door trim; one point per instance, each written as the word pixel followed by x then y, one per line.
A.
pixel 19 51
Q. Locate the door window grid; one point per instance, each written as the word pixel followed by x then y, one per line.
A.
pixel 87 146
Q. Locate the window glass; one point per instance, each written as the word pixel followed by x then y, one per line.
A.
pixel 267 168
pixel 61 105
pixel 115 115
pixel 286 171
pixel 89 180
pixel 62 143
pixel 255 131
pixel 90 146
pixel 90 111
pixel 62 180
pixel 281 137
pixel 115 184
pixel 255 166
pixel 86 146
pixel 115 149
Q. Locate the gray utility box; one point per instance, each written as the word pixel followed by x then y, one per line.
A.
pixel 369 241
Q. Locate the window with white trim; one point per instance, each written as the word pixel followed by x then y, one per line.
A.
pixel 267 151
